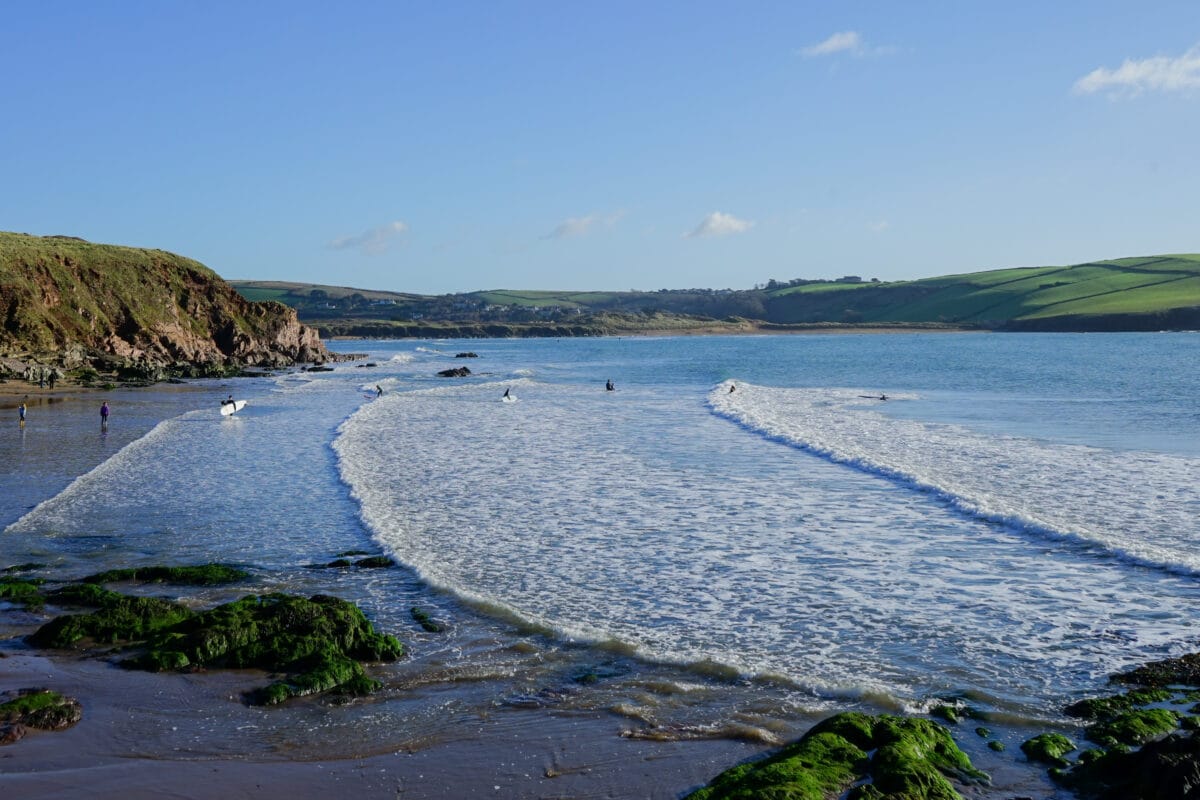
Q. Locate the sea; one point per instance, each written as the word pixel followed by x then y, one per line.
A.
pixel 745 534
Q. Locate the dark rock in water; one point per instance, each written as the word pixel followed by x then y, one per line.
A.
pixel 1167 769
pixel 1133 727
pixel 424 620
pixel 375 562
pixel 20 591
pixel 318 369
pixel 202 575
pixel 39 708
pixel 372 562
pixel 1108 707
pixel 456 372
pixel 1048 748
pixel 1184 671
pixel 466 355
pixel 349 553
pixel 900 757
pixel 318 642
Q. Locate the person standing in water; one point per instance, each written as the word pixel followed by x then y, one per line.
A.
pixel 608 387
pixel 21 412
pixel 104 416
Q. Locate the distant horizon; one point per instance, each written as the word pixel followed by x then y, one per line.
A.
pixel 646 147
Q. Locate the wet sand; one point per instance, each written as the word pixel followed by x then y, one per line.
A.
pixel 179 721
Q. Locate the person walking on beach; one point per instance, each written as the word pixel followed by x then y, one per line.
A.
pixel 21 412
pixel 104 416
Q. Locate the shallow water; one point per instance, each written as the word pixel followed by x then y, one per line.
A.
pixel 1015 523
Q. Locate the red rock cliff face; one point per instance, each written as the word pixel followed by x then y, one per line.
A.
pixel 65 300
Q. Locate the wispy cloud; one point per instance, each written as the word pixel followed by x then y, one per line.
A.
pixel 718 224
pixel 1156 74
pixel 372 242
pixel 844 42
pixel 579 226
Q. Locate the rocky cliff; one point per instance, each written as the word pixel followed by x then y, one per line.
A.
pixel 73 304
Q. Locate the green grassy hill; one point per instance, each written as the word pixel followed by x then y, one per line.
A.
pixel 1150 293
pixel 65 301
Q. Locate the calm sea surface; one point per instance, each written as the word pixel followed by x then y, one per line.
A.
pixel 1016 521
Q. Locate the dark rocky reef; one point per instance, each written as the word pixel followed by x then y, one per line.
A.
pixel 456 372
pixel 900 758
pixel 1146 749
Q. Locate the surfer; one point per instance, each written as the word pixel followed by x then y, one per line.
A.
pixel 378 390
pixel 882 396
pixel 506 393
pixel 21 412
pixel 732 386
pixel 104 415
pixel 228 401
pixel 608 387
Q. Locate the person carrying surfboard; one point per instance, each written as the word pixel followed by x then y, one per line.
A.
pixel 228 401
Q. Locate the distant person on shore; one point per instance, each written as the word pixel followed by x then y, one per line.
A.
pixel 104 415
pixel 21 412
pixel 608 387
pixel 53 379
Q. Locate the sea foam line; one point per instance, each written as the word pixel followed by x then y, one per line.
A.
pixel 1139 507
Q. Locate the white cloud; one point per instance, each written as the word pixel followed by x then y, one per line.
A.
pixel 372 242
pixel 578 226
pixel 1159 73
pixel 846 41
pixel 718 224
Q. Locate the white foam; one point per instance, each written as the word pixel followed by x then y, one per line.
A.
pixel 1141 506
pixel 652 522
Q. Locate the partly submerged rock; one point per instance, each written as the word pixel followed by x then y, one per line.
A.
pixel 907 758
pixel 199 575
pixel 318 642
pixel 35 708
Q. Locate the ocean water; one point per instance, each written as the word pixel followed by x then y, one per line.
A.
pixel 1016 521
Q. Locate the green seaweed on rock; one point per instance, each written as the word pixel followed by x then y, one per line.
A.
pixel 317 641
pixel 1048 748
pixel 910 759
pixel 119 618
pixel 200 575
pixel 40 708
pixel 21 591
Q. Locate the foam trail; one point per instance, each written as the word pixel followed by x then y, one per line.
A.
pixel 1140 506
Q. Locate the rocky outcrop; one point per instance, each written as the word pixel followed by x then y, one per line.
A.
pixel 72 304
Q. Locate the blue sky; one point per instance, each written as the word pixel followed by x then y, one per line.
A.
pixel 438 147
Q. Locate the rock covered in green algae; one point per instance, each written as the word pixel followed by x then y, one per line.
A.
pixel 119 618
pixel 35 708
pixel 200 575
pixel 1133 727
pixel 25 592
pixel 1182 671
pixel 422 618
pixel 1109 707
pixel 904 758
pixel 318 642
pixel 1048 748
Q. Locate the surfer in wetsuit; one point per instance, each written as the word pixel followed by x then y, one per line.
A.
pixel 732 387
pixel 228 401
pixel 506 392
pixel 378 390
pixel 608 387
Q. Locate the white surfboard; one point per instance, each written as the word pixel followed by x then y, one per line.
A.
pixel 229 408
pixel 508 398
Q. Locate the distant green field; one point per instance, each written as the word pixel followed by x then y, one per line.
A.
pixel 1150 285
